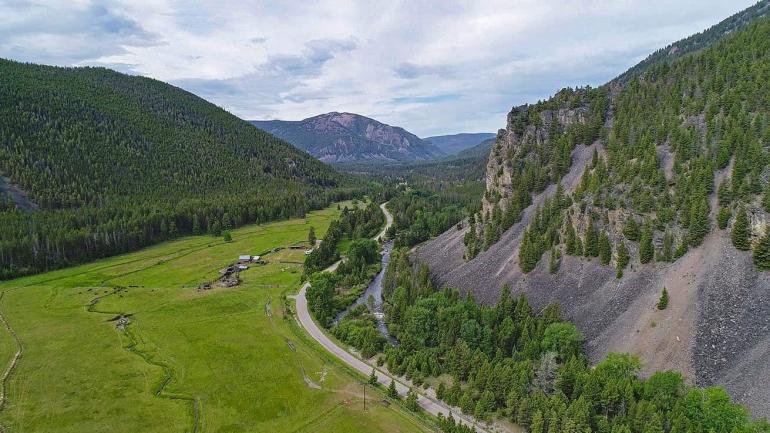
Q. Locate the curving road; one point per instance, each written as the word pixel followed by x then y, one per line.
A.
pixel 426 398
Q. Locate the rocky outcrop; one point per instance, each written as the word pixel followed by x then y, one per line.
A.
pixel 716 329
pixel 347 137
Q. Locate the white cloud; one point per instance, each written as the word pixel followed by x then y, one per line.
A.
pixel 430 66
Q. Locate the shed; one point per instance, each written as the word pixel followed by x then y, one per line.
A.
pixel 255 258
pixel 244 258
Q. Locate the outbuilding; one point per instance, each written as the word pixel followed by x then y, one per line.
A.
pixel 244 258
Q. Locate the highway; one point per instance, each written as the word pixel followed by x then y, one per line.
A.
pixel 426 398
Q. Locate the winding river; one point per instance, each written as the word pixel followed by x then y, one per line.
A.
pixel 374 290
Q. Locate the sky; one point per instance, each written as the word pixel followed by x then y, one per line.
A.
pixel 432 67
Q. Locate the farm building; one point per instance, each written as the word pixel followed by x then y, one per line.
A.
pixel 244 258
pixel 255 258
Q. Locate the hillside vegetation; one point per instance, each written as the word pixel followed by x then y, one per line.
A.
pixel 116 162
pixel 662 137
pixel 598 199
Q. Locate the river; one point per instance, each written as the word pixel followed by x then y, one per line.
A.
pixel 375 291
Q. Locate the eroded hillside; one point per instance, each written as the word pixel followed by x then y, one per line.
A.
pixel 599 198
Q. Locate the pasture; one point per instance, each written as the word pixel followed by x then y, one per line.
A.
pixel 189 360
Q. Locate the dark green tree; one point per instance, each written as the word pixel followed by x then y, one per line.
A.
pixel 605 249
pixel 646 249
pixel 392 392
pixel 663 301
pixel 740 232
pixel 762 253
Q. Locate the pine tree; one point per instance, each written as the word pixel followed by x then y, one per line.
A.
pixel 631 229
pixel 373 378
pixel 571 241
pixel 411 401
pixel 646 250
pixel 226 236
pixel 622 258
pixel 538 424
pixel 762 253
pixel 740 233
pixel 392 392
pixel 605 249
pixel 591 246
pixel 724 192
pixel 555 262
pixel 699 221
pixel 663 301
pixel 311 238
pixel 723 217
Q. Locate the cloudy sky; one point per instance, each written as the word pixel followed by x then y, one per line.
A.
pixel 433 67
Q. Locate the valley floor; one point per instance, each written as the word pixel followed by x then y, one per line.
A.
pixel 220 360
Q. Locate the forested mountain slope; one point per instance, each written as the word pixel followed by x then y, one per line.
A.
pixel 598 199
pixel 110 162
pixel 350 138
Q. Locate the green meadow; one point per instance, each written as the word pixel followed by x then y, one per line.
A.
pixel 189 360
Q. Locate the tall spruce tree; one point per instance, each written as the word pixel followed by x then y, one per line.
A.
pixel 605 249
pixel 762 253
pixel 740 233
pixel 646 249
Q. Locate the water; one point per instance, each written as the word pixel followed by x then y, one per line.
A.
pixel 375 291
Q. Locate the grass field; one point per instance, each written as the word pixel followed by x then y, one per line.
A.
pixel 190 360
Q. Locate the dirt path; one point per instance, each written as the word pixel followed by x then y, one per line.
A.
pixel 11 366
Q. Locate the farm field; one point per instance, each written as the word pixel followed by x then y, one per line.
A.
pixel 219 360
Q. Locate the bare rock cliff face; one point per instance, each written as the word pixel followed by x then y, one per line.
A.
pixel 716 329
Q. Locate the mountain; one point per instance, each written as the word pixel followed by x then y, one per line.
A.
pixel 94 163
pixel 599 198
pixel 453 144
pixel 480 150
pixel 346 137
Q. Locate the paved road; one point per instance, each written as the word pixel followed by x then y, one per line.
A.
pixel 426 398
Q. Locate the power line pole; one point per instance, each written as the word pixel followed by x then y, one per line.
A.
pixel 364 397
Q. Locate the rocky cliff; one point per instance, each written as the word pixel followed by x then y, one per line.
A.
pixel 669 151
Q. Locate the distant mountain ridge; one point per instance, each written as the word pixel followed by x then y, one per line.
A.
pixel 347 137
pixel 456 143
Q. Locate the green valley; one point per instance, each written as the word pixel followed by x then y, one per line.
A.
pixel 218 360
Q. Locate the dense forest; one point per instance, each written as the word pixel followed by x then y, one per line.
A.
pixel 511 361
pixel 668 139
pixel 116 162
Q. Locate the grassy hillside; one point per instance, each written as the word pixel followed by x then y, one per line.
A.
pixel 189 360
pixel 116 162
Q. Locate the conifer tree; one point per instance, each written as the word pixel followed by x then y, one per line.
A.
pixel 622 258
pixel 631 229
pixel 663 301
pixel 411 401
pixel 591 246
pixel 646 250
pixel 392 392
pixel 740 232
pixel 699 221
pixel 571 241
pixel 605 249
pixel 373 378
pixel 723 217
pixel 311 238
pixel 762 253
